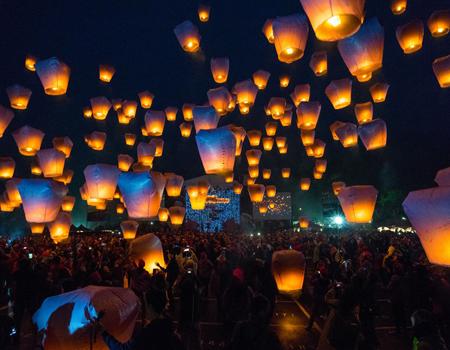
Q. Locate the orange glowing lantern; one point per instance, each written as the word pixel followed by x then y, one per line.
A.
pixel 163 214
pixel 51 162
pixel 228 177
pixel 198 193
pixel 30 63
pixel 358 203
pixel 96 140
pixel 339 92
pixel 158 143
pixel 245 92
pixel 288 270
pixel 101 181
pixel 187 112
pixel 237 187
pixel 266 173
pixel 19 96
pixel 319 63
pixel 318 148
pixel 334 20
pixel 286 173
pixel 300 94
pixel 271 191
pixel 66 177
pixel 286 118
pixel 106 72
pixel 154 122
pixel 205 118
pixel 146 153
pixel 219 69
pixel 439 23
pixel 379 92
pixel 364 112
pixel 124 162
pixel 284 80
pixel 63 144
pixel 171 113
pixel 6 115
pixel 268 30
pixel 317 175
pixel 271 128
pixel 28 140
pixel 68 202
pixel 174 184
pixel 337 187
pixel 305 183
pixel 290 35
pixel 256 192
pixel 253 156
pixel 54 76
pixel 120 209
pixel 261 78
pixel 129 229
pixel 441 69
pixel 116 103
pixel 5 206
pixel 281 141
pixel 239 135
pixel 37 229
pixel 277 106
pixel 303 222
pixel 221 99
pixel 348 135
pixel 12 193
pixel 100 107
pixel 267 143
pixel 307 137
pixel 188 36
pixel 129 108
pixel 87 112
pixel 410 36
pixel 176 215
pixel 146 99
pixel 185 129
pixel 263 210
pixel 254 137
pixel 7 167
pixel 308 115
pixel 35 169
pixel 203 12
pixel 60 228
pixel 253 171
pixel 122 118
pixel 130 139
pixel 398 6
pixel 373 134
pixel 320 165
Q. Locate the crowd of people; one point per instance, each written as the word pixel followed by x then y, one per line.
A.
pixel 345 276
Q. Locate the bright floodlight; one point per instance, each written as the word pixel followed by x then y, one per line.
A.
pixel 338 220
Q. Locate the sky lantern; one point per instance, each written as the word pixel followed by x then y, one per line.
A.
pixel 219 69
pixel 277 106
pixel 363 51
pixel 154 122
pixel 60 228
pixel 36 229
pixel 261 78
pixel 441 69
pixel 163 214
pixel 308 115
pixel 130 139
pixel 100 107
pixel 124 162
pixel 187 111
pixel 281 141
pixel 122 118
pixel 203 12
pixel 290 35
pixel 303 222
pixel 320 165
pixel 19 96
pixel 154 201
pixel 5 207
pixel 87 112
pixel 7 167
pixel 28 140
pixel 174 184
pixel 186 129
pixel 443 177
pixel 263 209
pixel 305 183
pixel 129 108
pixel 254 137
pixel 318 148
pixel 348 135
pixel 267 30
pixel 129 229
pixel 66 177
pixel 373 134
pixel 271 191
pixel 379 92
pixel 237 187
pixel 221 99
pixel 428 211
pixel 267 143
pixel 439 23
pixel 256 192
pixel 284 80
pixel 63 144
pixel 288 270
pixel 137 188
pixel 106 73
pixel 334 20
pixel 116 103
pixel 364 112
pixel 319 63
pixel 159 146
pixel 286 118
pixel 253 156
pixel 266 173
pixel 35 168
pixel 68 202
pixel 41 199
pixel 253 171
pixel 228 177
pixel 337 186
pixel 54 75
pixel 358 203
pixel 51 161
pixel 176 215
pixel 217 148
pixel 239 135
pixel 286 173
pixel 205 118
pixel 188 36
pixel 317 175
pixel 271 128
pixel 101 180
pixel 146 153
pixel 339 92
pixel 146 99
pixel 307 137
pixel 12 193
pixel 410 36
pixel 245 92
pixel 171 113
pixel 96 140
pixel 6 115
pixel 30 63
pixel 198 193
pixel 283 150
pixel 398 6
pixel 300 94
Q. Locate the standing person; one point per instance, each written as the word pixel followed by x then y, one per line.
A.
pixel 320 286
pixel 140 283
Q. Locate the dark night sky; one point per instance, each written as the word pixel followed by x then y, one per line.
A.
pixel 137 38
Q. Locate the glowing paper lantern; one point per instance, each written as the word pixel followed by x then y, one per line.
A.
pixel 30 63
pixel 198 192
pixel 317 175
pixel 154 122
pixel 239 135
pixel 122 118
pixel 171 113
pixel 146 99
pixel 303 222
pixel 267 143
pixel 120 209
pixel 305 183
pixel 100 107
pixel 358 203
pixel 12 193
pixel 319 63
pixel 176 215
pixel 363 51
pixel 290 35
pixel 277 106
pixel 28 140
pixel 253 171
pixel 284 80
pixel 124 162
pixel 51 162
pixel 253 156
pixel 158 143
pixel 307 137
pixel 320 165
pixel 300 94
pixel 285 173
pixel 68 203
pixel 443 177
pixel 256 192
pixel 245 92
pixel 54 75
pixel 129 229
pixel 41 199
pixel 348 135
pixel 35 169
pixel 19 96
pixel 271 191
pixel 261 78
pixel 217 148
pixel 337 187
pixel 334 20
pixel 187 111
pixel 129 108
pixel 268 30
pixel 87 112
pixel 318 148
pixel 7 167
pixel 441 69
pixel 237 187
pixel 254 137
pixel 271 128
pixel 101 181
pixel 60 228
pixel 106 72
pixel 219 69
pixel 221 99
pixel 410 36
pixel 203 12
pixel 130 139
pixel 398 6
pixel 378 92
pixel 288 270
pixel 439 23
pixel 339 92
pixel 96 140
pixel 185 129
pixel 266 173
pixel 281 141
pixel 286 118
pixel 36 229
pixel 188 36
pixel 6 115
pixel 263 210
pixel 373 134
pixel 163 214
pixel 174 184
pixel 308 115
pixel 63 144
pixel 116 103
pixel 205 118
pixel 364 112
pixel 146 153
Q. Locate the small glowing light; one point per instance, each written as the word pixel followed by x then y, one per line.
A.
pixel 259 233
pixel 440 30
pixel 399 8
pixel 338 220
pixel 289 50
pixel 190 44
pixel 334 21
